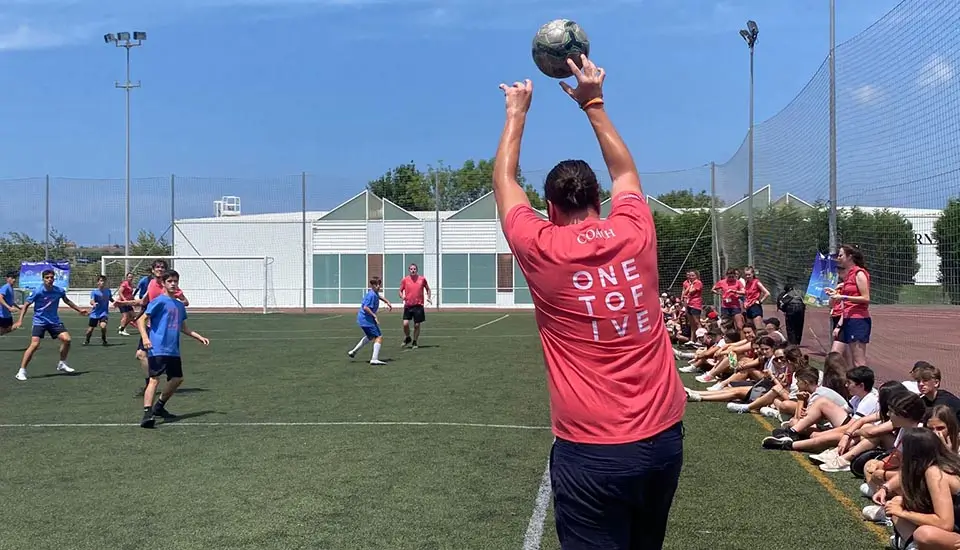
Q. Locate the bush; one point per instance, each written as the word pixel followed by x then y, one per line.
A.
pixel 946 234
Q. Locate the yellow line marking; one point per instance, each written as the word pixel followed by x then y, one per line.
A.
pixel 881 533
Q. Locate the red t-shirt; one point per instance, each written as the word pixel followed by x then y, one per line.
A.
pixel 413 290
pixel 752 290
pixel 849 288
pixel 694 292
pixel 155 289
pixel 729 298
pixel 126 291
pixel 610 366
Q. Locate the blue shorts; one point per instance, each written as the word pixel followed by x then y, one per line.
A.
pixel 53 330
pixel 615 496
pixel 372 331
pixel 856 330
pixel 754 311
pixel 730 311
pixel 693 312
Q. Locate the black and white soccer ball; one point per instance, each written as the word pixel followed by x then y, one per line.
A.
pixel 557 41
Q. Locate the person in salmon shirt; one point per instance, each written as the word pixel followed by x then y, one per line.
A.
pixel 754 294
pixel 852 298
pixel 616 399
pixel 692 298
pixel 730 289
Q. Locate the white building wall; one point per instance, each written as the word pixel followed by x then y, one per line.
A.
pixel 339 237
pixel 466 236
pixel 240 283
pixel 405 236
pixel 375 237
pixel 431 269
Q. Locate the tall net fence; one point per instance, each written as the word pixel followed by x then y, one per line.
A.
pixel 897 106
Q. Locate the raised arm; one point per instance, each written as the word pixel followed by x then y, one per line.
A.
pixel 506 190
pixel 589 95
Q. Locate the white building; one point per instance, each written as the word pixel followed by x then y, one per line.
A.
pixel 325 259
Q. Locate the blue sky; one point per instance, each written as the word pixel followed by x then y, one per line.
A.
pixel 346 89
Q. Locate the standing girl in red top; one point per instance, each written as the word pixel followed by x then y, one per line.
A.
pixel 853 297
pixel 692 297
pixel 730 289
pixel 754 295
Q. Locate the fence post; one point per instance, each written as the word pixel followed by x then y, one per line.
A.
pixel 46 221
pixel 303 221
pixel 715 235
pixel 173 218
pixel 833 133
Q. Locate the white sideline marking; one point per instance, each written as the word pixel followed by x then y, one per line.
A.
pixel 531 541
pixel 346 336
pixel 281 424
pixel 326 318
pixel 491 322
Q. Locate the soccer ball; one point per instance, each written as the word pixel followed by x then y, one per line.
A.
pixel 555 42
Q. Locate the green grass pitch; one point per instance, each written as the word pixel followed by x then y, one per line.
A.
pixel 283 442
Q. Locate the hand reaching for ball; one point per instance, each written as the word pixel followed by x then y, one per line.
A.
pixel 518 97
pixel 589 81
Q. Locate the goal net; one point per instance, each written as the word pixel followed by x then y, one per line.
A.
pixel 242 284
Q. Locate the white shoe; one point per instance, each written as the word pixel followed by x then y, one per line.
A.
pixel 351 355
pixel 867 491
pixel 874 513
pixel 377 362
pixel 705 379
pixel 739 408
pixel 692 396
pixel 769 412
pixel 829 454
pixel 689 369
pixel 835 464
pixel 715 387
pixel 63 367
pixel 21 375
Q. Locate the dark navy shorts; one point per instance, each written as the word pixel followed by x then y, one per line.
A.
pixel 693 312
pixel 170 365
pixel 372 331
pixel 6 322
pixel 730 311
pixel 94 321
pixel 615 497
pixel 754 311
pixel 856 330
pixel 53 330
pixel 126 309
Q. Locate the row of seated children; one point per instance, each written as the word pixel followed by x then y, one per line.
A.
pixel 902 437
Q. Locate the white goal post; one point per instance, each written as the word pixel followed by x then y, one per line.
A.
pixel 222 282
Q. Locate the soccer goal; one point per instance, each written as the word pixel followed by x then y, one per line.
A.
pixel 217 283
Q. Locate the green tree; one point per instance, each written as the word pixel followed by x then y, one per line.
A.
pixel 946 234
pixel 405 186
pixel 148 244
pixel 686 198
pixel 889 247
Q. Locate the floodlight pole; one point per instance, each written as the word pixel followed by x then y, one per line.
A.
pixel 127 86
pixel 832 213
pixel 750 36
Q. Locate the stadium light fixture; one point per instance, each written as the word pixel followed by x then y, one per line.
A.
pixel 123 40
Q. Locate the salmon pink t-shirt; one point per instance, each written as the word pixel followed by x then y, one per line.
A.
pixel 728 293
pixel 849 288
pixel 125 291
pixel 155 289
pixel 610 366
pixel 413 290
pixel 694 292
pixel 752 292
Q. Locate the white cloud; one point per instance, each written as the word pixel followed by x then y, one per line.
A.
pixel 936 71
pixel 868 94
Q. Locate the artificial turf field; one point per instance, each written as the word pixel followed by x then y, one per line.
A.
pixel 283 442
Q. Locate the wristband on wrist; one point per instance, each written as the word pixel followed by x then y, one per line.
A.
pixel 591 102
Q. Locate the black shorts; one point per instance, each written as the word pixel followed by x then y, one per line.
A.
pixel 53 330
pixel 615 496
pixel 126 309
pixel 414 313
pixel 754 311
pixel 94 321
pixel 6 322
pixel 164 364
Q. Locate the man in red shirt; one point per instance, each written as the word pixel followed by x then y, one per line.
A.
pixel 412 288
pixel 616 399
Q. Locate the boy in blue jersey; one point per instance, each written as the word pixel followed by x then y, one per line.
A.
pixel 367 319
pixel 8 303
pixel 100 299
pixel 144 282
pixel 46 320
pixel 161 340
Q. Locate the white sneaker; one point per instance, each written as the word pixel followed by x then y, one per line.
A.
pixel 739 408
pixel 877 514
pixel 351 355
pixel 769 412
pixel 21 375
pixel 824 456
pixel 377 362
pixel 689 369
pixel 705 379
pixel 867 491
pixel 835 464
pixel 692 396
pixel 63 367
